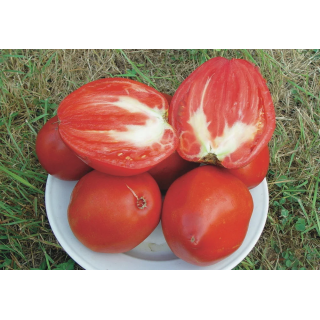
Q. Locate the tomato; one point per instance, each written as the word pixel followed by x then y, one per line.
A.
pixel 170 169
pixel 114 214
pixel 223 113
pixel 168 97
pixel 117 126
pixel 253 173
pixel 55 157
pixel 206 214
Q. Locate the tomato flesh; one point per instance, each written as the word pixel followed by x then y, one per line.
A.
pixel 168 97
pixel 206 214
pixel 55 157
pixel 172 167
pixel 223 113
pixel 117 126
pixel 114 214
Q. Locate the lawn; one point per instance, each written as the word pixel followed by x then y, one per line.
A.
pixel 33 83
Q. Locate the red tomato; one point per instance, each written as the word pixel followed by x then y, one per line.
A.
pixel 55 157
pixel 170 169
pixel 168 97
pixel 223 113
pixel 253 173
pixel 117 126
pixel 114 214
pixel 206 214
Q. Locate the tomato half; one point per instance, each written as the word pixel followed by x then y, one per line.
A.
pixel 114 214
pixel 206 214
pixel 117 126
pixel 253 173
pixel 171 168
pixel 55 157
pixel 223 113
pixel 168 97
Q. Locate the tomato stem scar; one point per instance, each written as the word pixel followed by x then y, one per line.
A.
pixel 141 202
pixel 165 116
pixel 210 158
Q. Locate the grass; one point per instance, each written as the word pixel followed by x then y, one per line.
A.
pixel 33 82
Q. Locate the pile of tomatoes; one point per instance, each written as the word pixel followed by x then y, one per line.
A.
pixel 128 145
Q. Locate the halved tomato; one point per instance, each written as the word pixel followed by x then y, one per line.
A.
pixel 172 167
pixel 117 126
pixel 168 97
pixel 223 113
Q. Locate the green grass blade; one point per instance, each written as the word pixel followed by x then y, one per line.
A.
pixel 48 62
pixel 248 55
pixel 138 70
pixel 39 117
pixel 19 179
pixel 314 200
pixel 14 140
pixel 303 90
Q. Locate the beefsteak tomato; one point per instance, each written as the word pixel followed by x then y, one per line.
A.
pixel 55 157
pixel 114 214
pixel 206 214
pixel 253 173
pixel 223 113
pixel 117 126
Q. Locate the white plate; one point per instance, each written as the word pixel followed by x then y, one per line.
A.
pixel 154 252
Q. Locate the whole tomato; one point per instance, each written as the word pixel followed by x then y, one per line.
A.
pixel 253 173
pixel 171 168
pixel 206 214
pixel 117 126
pixel 114 214
pixel 55 157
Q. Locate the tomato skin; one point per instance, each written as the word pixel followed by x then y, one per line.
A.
pixel 206 214
pixel 104 213
pixel 55 157
pixel 173 167
pixel 114 169
pixel 253 173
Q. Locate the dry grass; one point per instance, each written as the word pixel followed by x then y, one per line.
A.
pixel 33 82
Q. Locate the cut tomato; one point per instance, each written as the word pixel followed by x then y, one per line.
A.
pixel 172 167
pixel 223 113
pixel 117 126
pixel 168 97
